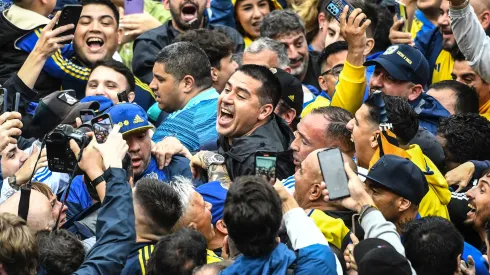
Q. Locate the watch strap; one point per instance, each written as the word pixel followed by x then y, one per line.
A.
pixel 365 209
pixel 13 182
pixel 97 181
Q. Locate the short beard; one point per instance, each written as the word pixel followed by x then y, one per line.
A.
pixel 184 26
pixel 450 47
pixel 298 72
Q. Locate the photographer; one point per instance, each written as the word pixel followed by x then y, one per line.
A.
pixel 115 221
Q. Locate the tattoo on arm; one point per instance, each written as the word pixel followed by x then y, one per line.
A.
pixel 219 173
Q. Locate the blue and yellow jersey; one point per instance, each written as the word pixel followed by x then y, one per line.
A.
pixel 137 259
pixel 443 67
pixel 334 230
pixel 211 257
pixel 420 24
pixel 63 65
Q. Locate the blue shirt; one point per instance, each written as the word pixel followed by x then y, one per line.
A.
pixel 152 172
pixel 195 124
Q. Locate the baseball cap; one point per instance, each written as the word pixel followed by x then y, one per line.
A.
pixel 430 146
pixel 104 102
pixel 404 63
pixel 60 108
pixel 292 90
pixel 215 194
pixel 131 117
pixel 401 176
pixel 377 256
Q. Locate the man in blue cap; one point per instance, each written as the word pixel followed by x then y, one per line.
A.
pixel 136 131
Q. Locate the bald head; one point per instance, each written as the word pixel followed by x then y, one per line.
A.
pixel 480 6
pixel 40 216
pixel 309 178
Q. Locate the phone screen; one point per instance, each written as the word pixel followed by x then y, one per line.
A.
pixel 102 126
pixel 86 117
pixel 133 6
pixel 265 165
pixel 332 167
pixel 2 98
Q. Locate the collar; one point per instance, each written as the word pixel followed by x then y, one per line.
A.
pixel 152 171
pixel 207 94
pixel 373 56
pixel 421 17
pixel 485 108
pixel 24 19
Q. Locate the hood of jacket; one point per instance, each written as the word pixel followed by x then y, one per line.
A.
pixel 435 201
pixel 429 111
pixel 276 263
pixel 15 22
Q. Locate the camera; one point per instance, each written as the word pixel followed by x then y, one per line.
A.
pixel 60 157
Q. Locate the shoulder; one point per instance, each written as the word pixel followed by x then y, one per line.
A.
pixel 155 34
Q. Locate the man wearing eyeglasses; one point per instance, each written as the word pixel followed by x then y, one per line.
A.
pixel 332 62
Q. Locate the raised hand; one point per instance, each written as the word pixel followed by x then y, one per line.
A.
pixel 49 42
pixel 10 126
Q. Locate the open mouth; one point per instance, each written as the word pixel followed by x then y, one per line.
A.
pixel 136 162
pixel 256 24
pixel 95 43
pixel 294 63
pixel 189 12
pixel 225 116
pixel 471 214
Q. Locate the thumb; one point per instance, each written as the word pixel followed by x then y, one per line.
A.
pixel 354 238
pixel 348 171
pixel 74 147
pixel 460 187
pixel 35 150
pixel 471 262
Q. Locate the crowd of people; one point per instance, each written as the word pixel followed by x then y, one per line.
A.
pixel 199 91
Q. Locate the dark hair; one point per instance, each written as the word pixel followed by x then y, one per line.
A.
pixel 371 12
pixel 120 68
pixel 432 244
pixel 334 48
pixel 382 31
pixel 239 26
pixel 186 58
pixel 337 128
pixel 178 253
pixel 214 43
pixel 282 108
pixel 400 114
pixel 253 215
pixel 281 22
pixel 160 203
pixel 466 136
pixel 107 3
pixel 466 96
pixel 60 251
pixel 270 91
pixel 458 55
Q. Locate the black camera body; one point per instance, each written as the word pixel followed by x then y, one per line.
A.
pixel 60 157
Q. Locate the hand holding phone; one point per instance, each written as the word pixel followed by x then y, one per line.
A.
pixel 334 176
pixel 102 126
pixel 133 6
pixel 401 13
pixel 336 7
pixel 265 165
pixel 69 15
pixel 123 97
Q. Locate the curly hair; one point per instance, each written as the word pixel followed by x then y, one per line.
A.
pixel 466 136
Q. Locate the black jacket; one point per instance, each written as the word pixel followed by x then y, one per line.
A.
pixel 274 136
pixel 12 59
pixel 149 44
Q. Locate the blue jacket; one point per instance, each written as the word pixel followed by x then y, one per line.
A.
pixel 480 263
pixel 179 166
pixel 430 44
pixel 311 260
pixel 115 228
pixel 429 112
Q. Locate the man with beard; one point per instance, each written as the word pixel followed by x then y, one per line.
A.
pixel 286 27
pixel 186 15
pixel 97 37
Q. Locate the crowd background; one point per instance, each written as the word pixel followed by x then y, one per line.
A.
pixel 198 90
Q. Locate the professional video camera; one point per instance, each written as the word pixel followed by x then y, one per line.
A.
pixel 60 157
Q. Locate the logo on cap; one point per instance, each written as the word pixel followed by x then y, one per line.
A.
pixel 137 119
pixel 68 99
pixel 273 70
pixel 390 50
pixel 291 97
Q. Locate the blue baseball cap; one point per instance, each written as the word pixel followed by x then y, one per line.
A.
pixel 215 194
pixel 404 63
pixel 104 102
pixel 401 176
pixel 131 117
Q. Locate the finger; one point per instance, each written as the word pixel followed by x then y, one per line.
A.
pixel 14 132
pixel 133 33
pixel 74 147
pixel 43 152
pixel 115 129
pixel 365 25
pixel 12 123
pixel 471 262
pixel 59 40
pixel 12 140
pixel 79 122
pixel 349 172
pixel 61 30
pixel 168 159
pixel 460 187
pixel 343 18
pixel 53 22
pixel 14 115
pixel 396 23
pixel 35 149
pixel 358 20
pixel 4 117
pixel 353 16
pixel 354 238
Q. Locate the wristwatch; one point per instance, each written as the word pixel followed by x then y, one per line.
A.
pixel 214 159
pixel 13 182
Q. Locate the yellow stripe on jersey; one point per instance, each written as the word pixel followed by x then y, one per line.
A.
pixel 144 86
pixel 443 67
pixel 334 230
pixel 142 262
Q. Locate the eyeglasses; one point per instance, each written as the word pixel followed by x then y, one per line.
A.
pixel 335 71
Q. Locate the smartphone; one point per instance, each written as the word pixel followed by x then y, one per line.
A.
pixel 87 115
pixel 102 126
pixel 401 12
pixel 335 8
pixel 123 97
pixel 265 165
pixel 133 6
pixel 333 172
pixel 3 99
pixel 17 101
pixel 69 15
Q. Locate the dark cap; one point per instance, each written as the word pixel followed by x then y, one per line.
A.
pixel 377 256
pixel 401 176
pixel 404 63
pixel 292 90
pixel 430 146
pixel 60 108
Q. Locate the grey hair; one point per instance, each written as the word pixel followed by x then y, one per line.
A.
pixel 184 188
pixel 280 23
pixel 265 43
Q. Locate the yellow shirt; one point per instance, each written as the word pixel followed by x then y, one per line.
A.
pixel 416 27
pixel 443 67
pixel 211 257
pixel 485 110
pixel 334 230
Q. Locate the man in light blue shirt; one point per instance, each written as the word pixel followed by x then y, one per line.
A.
pixel 183 84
